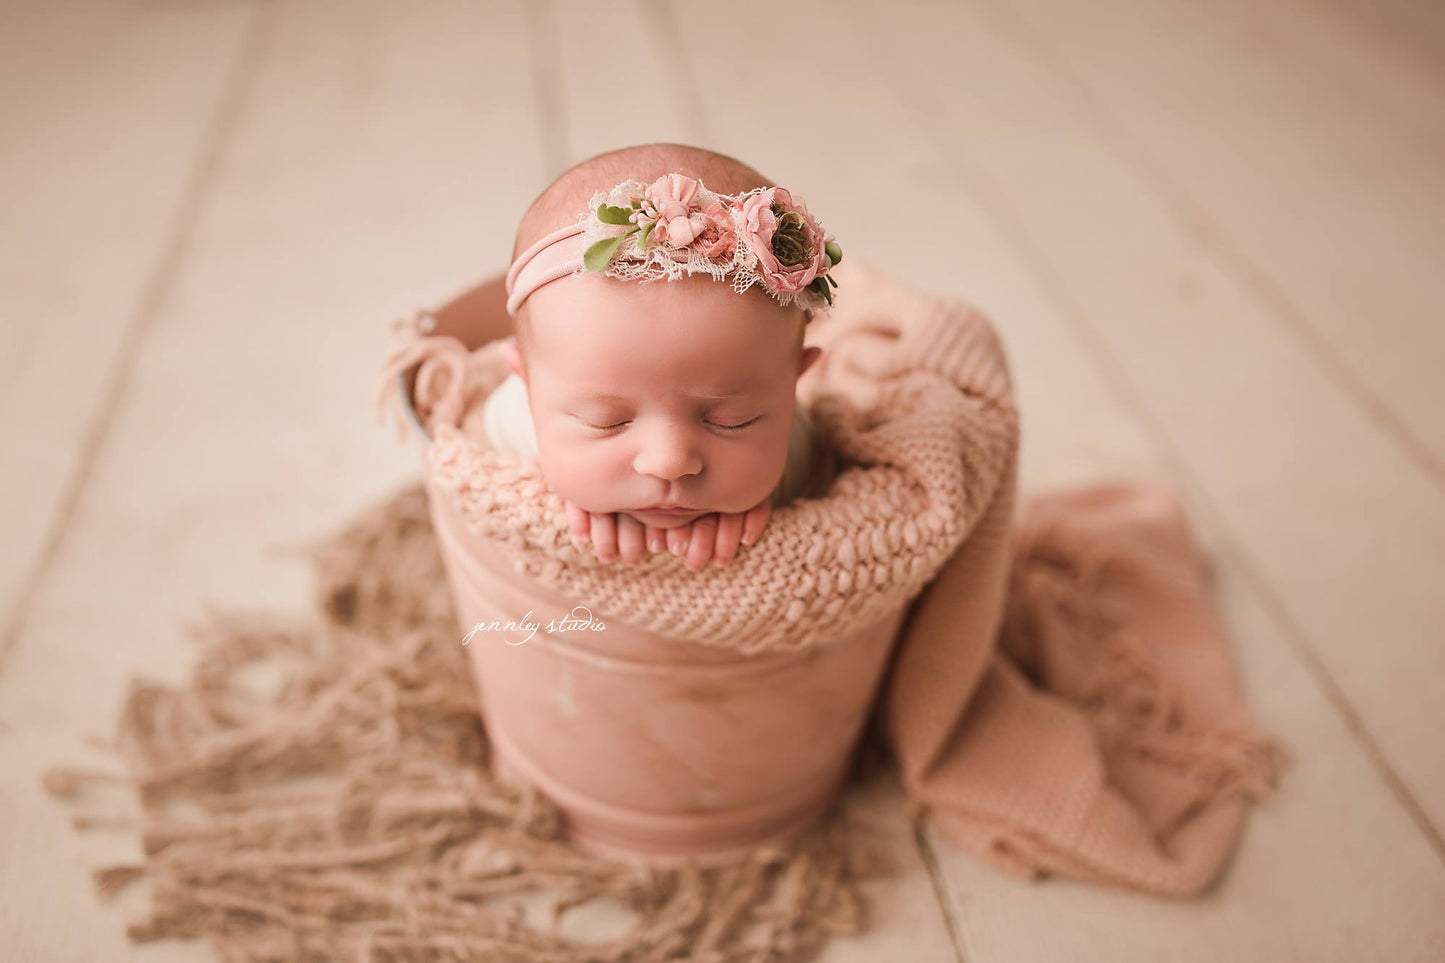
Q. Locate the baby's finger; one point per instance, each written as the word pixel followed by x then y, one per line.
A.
pixel 604 536
pixel 656 539
pixel 755 521
pixel 729 530
pixel 678 538
pixel 704 536
pixel 629 538
pixel 578 519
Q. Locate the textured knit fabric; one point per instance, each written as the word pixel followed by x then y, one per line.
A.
pixel 507 420
pixel 1062 696
pixel 920 418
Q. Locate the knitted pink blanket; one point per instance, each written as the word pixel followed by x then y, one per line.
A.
pixel 1062 697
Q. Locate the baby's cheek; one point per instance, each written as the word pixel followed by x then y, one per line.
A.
pixel 755 473
pixel 575 474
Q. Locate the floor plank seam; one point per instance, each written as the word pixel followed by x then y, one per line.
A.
pixel 941 890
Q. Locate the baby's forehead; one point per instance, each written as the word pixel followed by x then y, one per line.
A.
pixel 621 375
pixel 694 297
pixel 585 320
pixel 674 336
pixel 661 376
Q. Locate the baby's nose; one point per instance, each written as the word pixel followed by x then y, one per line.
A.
pixel 667 455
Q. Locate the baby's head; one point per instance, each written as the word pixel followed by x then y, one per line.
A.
pixel 676 392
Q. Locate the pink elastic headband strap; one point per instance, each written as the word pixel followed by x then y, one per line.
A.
pixel 554 256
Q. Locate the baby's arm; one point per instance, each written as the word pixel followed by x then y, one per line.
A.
pixel 714 536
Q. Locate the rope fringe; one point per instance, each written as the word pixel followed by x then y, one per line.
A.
pixel 347 812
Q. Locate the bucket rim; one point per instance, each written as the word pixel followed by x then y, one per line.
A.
pixel 404 380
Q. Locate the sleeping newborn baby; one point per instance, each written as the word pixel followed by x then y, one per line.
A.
pixel 661 402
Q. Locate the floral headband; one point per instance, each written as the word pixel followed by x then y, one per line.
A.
pixel 674 227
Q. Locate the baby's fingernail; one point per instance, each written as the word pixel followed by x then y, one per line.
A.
pixel 679 549
pixel 656 544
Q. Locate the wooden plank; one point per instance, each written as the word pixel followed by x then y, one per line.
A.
pixel 1317 186
pixel 1356 53
pixel 621 79
pixel 364 179
pixel 905 918
pixel 1413 28
pixel 109 118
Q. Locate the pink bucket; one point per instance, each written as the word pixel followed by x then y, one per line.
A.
pixel 660 749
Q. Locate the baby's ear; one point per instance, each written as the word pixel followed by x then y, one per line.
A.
pixel 513 356
pixel 810 354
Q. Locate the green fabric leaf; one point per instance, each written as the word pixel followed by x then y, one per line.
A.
pixel 597 257
pixel 820 287
pixel 613 215
pixel 646 230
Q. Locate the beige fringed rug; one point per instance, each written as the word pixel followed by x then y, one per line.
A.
pixel 345 812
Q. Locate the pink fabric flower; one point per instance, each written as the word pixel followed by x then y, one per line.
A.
pixel 679 218
pixel 718 239
pixel 787 241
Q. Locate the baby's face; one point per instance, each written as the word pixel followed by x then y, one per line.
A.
pixel 672 392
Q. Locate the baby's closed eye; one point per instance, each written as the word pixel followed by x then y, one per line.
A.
pixel 722 425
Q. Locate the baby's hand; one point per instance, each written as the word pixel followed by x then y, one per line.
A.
pixel 611 533
pixel 714 536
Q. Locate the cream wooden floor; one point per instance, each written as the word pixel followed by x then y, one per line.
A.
pixel 1211 235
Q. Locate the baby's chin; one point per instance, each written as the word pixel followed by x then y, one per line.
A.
pixel 665 521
